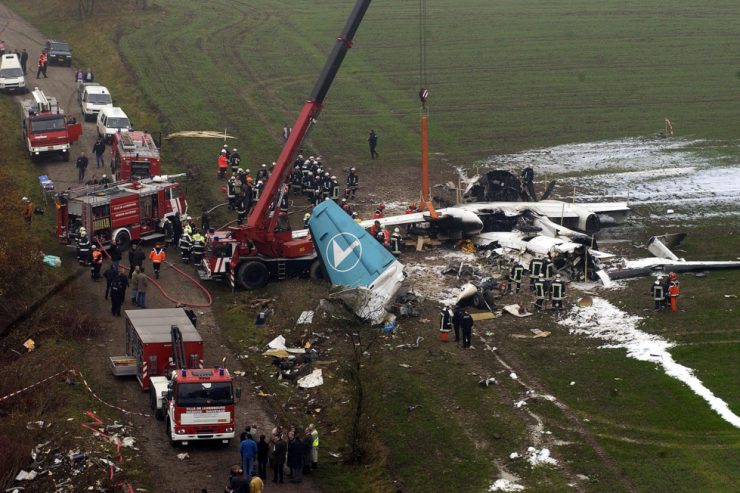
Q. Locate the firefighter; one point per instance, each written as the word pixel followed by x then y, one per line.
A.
pixel 241 210
pixel 263 174
pixel 396 242
pixel 157 256
pixel 257 189
pixel 235 159
pixel 383 236
pixel 187 226
pixel 378 214
pixel 516 274
pixel 105 180
pixel 346 208
pixel 296 177
pixel 334 189
pixel 445 321
pixel 306 218
pixel 658 294
pixel 356 218
pixel 466 324
pixel 230 190
pixel 411 209
pixel 199 248
pixel 535 271
pixel 225 150
pixel 223 163
pixel 674 290
pixel 457 316
pixel 110 274
pixel 169 232
pixel 306 183
pixel 539 293
pixel 557 292
pixel 375 229
pixel 186 243
pixel 326 185
pixel 353 183
pixel 548 271
pixel 83 247
pixel 97 263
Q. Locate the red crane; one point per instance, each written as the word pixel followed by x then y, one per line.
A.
pixel 264 248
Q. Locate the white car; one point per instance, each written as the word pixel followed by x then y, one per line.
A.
pixel 111 121
pixel 11 74
pixel 93 98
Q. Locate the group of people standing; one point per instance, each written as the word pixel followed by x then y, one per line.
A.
pixel 544 282
pixel 666 292
pixel 22 55
pixel 285 448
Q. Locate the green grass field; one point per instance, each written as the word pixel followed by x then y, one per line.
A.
pixel 504 76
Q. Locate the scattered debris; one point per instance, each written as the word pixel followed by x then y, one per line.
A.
pixel 26 476
pixel 314 379
pixel 520 404
pixel 404 365
pixel 487 382
pixel 513 376
pixel 30 344
pixel 482 316
pixel 539 333
pixel 183 456
pixel 35 425
pixel 514 455
pixel 411 346
pixel 585 302
pixel 540 457
pixel 730 296
pixel 517 311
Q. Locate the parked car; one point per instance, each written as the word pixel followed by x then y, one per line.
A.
pixel 59 52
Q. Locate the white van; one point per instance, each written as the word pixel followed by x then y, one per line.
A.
pixel 112 120
pixel 93 98
pixel 11 74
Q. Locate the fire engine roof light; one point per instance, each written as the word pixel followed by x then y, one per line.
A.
pixel 184 373
pixel 221 371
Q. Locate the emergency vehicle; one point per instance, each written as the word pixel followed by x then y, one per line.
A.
pixel 45 127
pixel 134 155
pixel 165 353
pixel 122 211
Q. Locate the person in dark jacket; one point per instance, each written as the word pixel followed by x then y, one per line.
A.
pixel 237 483
pixel 110 274
pixel 99 149
pixel 81 166
pixel 136 258
pixel 118 293
pixel 24 60
pixel 466 323
pixel 263 451
pixel 115 254
pixel 277 458
pixel 295 458
pixel 307 447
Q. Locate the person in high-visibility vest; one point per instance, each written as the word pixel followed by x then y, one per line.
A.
pixel 673 290
pixel 186 243
pixel 516 274
pixel 223 164
pixel 97 263
pixel 535 271
pixel 539 293
pixel 658 293
pixel 557 292
pixel 157 256
pixel 199 247
pixel 396 242
pixel 314 446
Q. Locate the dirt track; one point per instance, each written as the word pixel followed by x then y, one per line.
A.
pixel 208 464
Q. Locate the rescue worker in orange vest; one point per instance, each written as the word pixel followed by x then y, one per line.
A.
pixel 673 290
pixel 157 256
pixel 411 209
pixel 223 164
pixel 27 210
pixel 97 263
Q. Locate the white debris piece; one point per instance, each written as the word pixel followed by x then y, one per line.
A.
pixel 514 455
pixel 183 456
pixel 26 476
pixel 505 485
pixel 540 457
pixel 313 379
pixel 277 343
pixel 520 404
pixel 128 442
pixel 513 376
pixel 306 317
pixel 605 321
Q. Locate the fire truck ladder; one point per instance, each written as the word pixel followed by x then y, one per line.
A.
pixel 178 348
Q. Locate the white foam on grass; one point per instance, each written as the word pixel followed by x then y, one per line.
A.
pixel 505 485
pixel 538 457
pixel 605 321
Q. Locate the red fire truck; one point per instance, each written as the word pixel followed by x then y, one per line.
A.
pixel 134 155
pixel 123 211
pixel 45 127
pixel 165 353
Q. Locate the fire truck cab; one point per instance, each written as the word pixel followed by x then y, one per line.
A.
pixel 45 127
pixel 165 353
pixel 134 155
pixel 123 211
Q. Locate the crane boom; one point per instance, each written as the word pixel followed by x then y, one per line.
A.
pixel 263 218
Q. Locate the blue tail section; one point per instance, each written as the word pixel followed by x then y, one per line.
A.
pixel 352 256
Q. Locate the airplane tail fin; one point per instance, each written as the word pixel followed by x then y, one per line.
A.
pixel 356 260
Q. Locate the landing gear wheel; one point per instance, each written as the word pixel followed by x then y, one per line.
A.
pixel 317 272
pixel 253 275
pixel 123 239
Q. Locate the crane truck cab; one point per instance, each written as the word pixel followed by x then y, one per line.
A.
pixel 11 74
pixel 93 98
